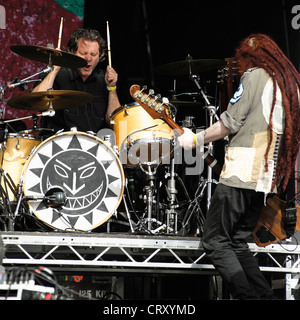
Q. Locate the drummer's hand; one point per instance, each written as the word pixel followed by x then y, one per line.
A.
pixel 111 77
pixel 186 140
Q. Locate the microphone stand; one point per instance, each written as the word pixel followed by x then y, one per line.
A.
pixel 212 115
pixel 26 80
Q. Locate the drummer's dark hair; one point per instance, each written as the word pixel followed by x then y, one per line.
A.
pixel 259 50
pixel 87 34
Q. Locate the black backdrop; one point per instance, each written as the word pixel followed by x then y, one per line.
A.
pixel 146 34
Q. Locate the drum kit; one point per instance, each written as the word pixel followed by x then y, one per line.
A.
pixel 75 181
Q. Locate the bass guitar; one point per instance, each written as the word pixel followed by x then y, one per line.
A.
pixel 274 220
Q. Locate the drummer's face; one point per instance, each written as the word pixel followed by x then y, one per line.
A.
pixel 88 50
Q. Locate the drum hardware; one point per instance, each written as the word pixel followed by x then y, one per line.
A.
pixel 212 115
pixel 188 122
pixel 148 223
pixel 132 227
pixel 172 218
pixel 7 185
pixel 194 209
pixel 23 82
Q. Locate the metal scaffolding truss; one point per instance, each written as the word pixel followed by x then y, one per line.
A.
pixel 131 251
pixel 94 250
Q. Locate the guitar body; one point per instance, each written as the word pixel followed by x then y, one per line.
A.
pixel 270 227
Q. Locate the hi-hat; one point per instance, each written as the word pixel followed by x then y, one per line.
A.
pixel 56 99
pixel 49 55
pixel 190 66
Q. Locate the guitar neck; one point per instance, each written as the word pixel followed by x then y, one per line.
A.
pixel 173 124
pixel 157 110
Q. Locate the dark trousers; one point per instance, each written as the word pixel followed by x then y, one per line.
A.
pixel 231 218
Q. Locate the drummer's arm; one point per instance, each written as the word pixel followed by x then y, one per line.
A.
pixel 113 104
pixel 111 78
pixel 48 81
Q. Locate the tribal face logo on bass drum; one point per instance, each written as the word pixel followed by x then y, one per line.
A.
pixel 88 172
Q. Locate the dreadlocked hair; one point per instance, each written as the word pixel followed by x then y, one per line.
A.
pixel 259 50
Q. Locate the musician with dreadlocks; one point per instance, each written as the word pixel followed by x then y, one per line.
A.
pixel 262 123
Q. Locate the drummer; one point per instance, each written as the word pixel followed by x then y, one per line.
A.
pixel 89 45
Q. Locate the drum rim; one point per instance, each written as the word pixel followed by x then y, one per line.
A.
pixel 25 168
pixel 152 140
pixel 126 105
pixel 22 135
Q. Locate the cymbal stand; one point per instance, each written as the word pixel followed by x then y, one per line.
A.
pixel 212 115
pixel 6 183
pixel 50 112
pixel 172 216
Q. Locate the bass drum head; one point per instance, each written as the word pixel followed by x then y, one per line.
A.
pixel 88 172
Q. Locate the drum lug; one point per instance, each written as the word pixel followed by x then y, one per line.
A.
pixel 91 133
pixel 116 150
pixel 59 132
pixel 126 110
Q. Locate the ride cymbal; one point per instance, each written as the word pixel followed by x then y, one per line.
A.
pixel 189 66
pixel 49 55
pixel 42 101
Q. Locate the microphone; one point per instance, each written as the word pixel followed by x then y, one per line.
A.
pixel 18 83
pixel 33 198
pixel 53 198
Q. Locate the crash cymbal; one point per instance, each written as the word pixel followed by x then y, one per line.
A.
pixel 41 101
pixel 189 66
pixel 45 54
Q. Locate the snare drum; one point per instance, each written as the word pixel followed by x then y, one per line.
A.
pixel 18 149
pixel 86 169
pixel 140 138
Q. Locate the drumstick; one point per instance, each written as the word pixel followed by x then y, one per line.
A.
pixel 108 44
pixel 60 32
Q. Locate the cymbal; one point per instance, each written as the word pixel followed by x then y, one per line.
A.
pixel 42 101
pixel 42 54
pixel 189 66
pixel 183 103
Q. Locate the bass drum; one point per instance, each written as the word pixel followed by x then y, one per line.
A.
pixel 86 169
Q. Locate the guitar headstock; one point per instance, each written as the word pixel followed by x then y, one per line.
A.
pixel 152 104
pixel 229 72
